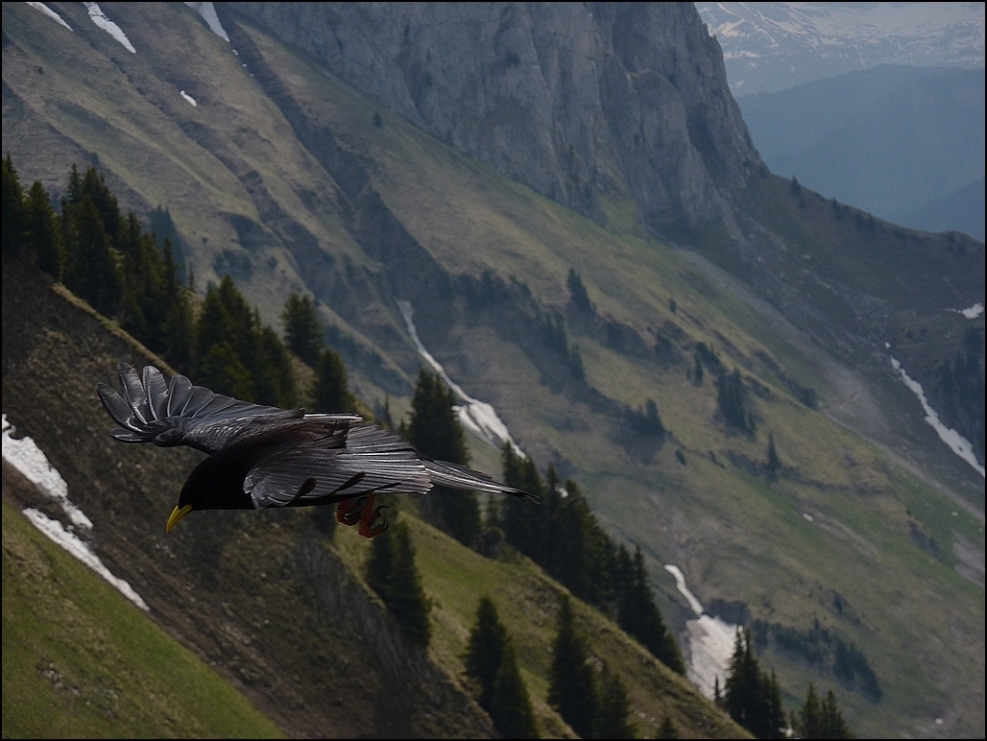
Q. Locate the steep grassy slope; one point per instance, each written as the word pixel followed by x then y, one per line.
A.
pixel 282 179
pixel 80 661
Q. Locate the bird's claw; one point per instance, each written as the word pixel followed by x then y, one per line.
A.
pixel 367 528
pixel 350 511
pixel 361 509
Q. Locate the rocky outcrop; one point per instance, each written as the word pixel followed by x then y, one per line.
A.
pixel 578 101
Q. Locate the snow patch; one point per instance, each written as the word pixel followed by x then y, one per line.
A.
pixel 71 543
pixel 189 98
pixel 51 14
pixel 956 442
pixel 711 642
pixel 207 11
pixel 477 416
pixel 971 312
pixel 99 18
pixel 26 457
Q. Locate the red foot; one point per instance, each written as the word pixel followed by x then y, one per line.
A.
pixel 361 509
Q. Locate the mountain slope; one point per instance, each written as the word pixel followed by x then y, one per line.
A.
pixel 281 177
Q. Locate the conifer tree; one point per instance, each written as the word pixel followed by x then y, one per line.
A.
pixel 522 529
pixel 42 234
pixel 332 394
pixel 510 705
pixel 774 463
pixel 818 719
pixel 302 329
pixel 751 696
pixel 492 662
pixel 572 686
pixel 578 292
pixel 667 729
pixel 90 269
pixel 638 614
pixel 485 649
pixel 435 432
pixel 13 208
pixel 392 573
pixel 614 708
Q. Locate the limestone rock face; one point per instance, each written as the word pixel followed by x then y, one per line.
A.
pixel 577 101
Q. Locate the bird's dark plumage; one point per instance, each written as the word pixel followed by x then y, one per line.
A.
pixel 262 456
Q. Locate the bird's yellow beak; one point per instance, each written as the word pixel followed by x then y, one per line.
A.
pixel 177 514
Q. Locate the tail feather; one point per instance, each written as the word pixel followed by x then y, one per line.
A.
pixel 454 476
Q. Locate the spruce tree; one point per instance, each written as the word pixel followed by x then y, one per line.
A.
pixel 13 208
pixel 578 292
pixel 817 719
pixel 302 328
pixel 572 686
pixel 42 234
pixel 485 650
pixel 436 433
pixel 638 614
pixel 774 463
pixel 510 705
pixel 614 708
pixel 667 729
pixel 751 696
pixel 392 573
pixel 332 394
pixel 90 269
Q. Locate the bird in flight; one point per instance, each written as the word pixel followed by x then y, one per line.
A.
pixel 263 456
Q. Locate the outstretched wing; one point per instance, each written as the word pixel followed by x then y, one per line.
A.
pixel 177 413
pixel 321 463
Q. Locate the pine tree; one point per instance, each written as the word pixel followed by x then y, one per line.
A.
pixel 332 394
pixel 614 708
pixel 667 729
pixel 510 704
pixel 13 208
pixel 435 432
pixel 638 614
pixel 485 649
pixel 42 233
pixel 302 329
pixel 392 573
pixel 751 696
pixel 523 529
pixel 578 292
pixel 572 687
pixel 774 463
pixel 818 719
pixel 90 269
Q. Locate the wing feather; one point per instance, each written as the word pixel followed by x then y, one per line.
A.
pixel 179 413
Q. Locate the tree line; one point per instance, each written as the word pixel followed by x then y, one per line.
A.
pixel 752 697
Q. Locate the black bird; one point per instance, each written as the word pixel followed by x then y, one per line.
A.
pixel 263 456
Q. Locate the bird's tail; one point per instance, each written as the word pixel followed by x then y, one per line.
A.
pixel 460 477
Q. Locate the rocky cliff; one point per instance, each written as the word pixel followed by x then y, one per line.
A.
pixel 579 101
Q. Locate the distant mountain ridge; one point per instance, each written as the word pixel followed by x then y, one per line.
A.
pixel 844 137
pixel 769 47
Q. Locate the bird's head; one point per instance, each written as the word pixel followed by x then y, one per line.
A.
pixel 216 483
